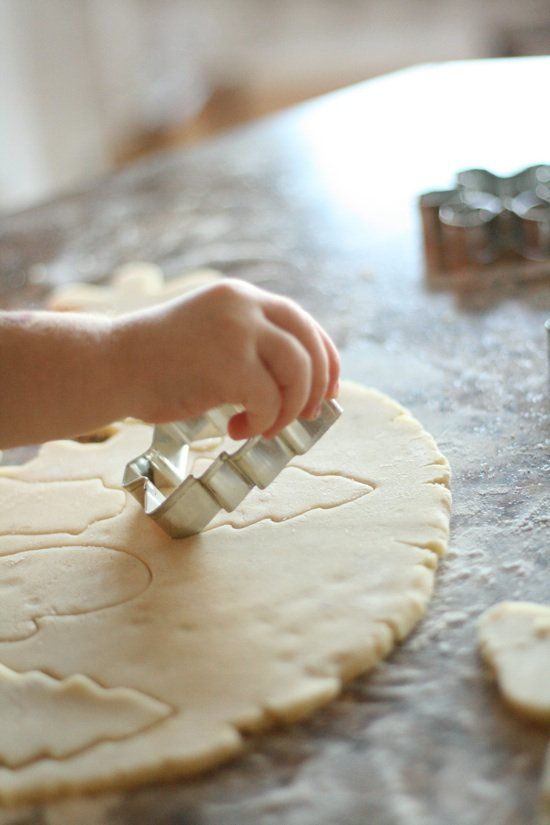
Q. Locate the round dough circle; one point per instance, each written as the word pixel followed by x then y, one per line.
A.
pixel 247 624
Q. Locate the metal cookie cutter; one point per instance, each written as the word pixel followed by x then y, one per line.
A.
pixel 183 504
pixel 487 219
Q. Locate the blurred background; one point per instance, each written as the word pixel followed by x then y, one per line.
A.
pixel 87 86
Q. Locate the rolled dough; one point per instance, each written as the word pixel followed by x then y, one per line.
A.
pixel 514 639
pixel 173 650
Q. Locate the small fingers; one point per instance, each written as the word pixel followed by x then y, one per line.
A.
pixel 290 368
pixel 290 365
pixel 333 363
pixel 293 320
pixel 261 399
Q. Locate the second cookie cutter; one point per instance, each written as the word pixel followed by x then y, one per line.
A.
pixel 183 504
pixel 487 219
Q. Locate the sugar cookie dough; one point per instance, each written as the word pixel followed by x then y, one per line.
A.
pixel 514 639
pixel 133 286
pixel 86 711
pixel 205 638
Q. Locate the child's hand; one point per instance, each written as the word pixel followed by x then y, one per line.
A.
pixel 229 343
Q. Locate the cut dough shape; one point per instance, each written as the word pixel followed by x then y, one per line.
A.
pixel 238 628
pixel 62 581
pixel 74 713
pixel 133 286
pixel 514 639
pixel 70 460
pixel 287 497
pixel 42 508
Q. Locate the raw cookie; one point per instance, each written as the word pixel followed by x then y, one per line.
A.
pixel 133 286
pixel 514 638
pixel 87 712
pixel 231 630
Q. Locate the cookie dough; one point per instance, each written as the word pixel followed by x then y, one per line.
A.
pixel 514 639
pixel 133 286
pixel 256 621
pixel 86 711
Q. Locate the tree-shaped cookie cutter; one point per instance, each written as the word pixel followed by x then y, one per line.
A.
pixel 183 504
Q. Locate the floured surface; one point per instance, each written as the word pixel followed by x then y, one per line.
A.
pixel 235 628
pixel 544 795
pixel 514 638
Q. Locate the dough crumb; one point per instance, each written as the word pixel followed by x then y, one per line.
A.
pixel 514 639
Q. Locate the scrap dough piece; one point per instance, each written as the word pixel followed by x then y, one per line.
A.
pixel 133 286
pixel 514 639
pixel 237 628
